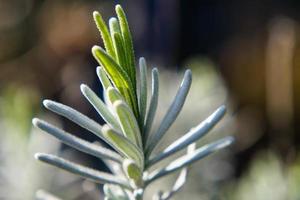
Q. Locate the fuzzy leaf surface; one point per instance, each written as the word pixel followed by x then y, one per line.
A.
pixel 172 112
pixel 104 33
pixel 77 143
pixel 143 90
pixel 91 174
pixel 99 106
pixel 153 104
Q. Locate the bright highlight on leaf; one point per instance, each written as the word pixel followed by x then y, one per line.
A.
pixel 129 111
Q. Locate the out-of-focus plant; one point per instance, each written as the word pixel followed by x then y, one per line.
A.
pixel 20 176
pixel 267 178
pixel 129 119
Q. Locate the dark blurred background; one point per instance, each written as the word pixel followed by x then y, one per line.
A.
pixel 252 45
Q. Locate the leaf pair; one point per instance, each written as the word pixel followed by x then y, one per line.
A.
pixel 179 182
pixel 171 114
pixel 192 136
pixel 189 159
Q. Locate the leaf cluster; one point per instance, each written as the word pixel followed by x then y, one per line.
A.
pixel 129 111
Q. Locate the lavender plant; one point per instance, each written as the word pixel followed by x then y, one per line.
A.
pixel 129 111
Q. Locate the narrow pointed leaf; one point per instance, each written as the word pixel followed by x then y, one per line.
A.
pixel 153 105
pixel 118 43
pixel 124 146
pixel 128 46
pixel 192 136
pixel 181 179
pixel 74 116
pixel 104 33
pixel 120 51
pixel 128 122
pixel 172 112
pixel 77 143
pixel 143 90
pixel 190 158
pixel 103 78
pixel 99 106
pixel 115 72
pixel 118 76
pixel 94 175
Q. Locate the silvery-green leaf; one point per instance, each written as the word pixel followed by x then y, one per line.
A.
pixel 123 145
pixel 94 175
pixel 153 105
pixel 128 122
pixel 76 142
pixel 103 78
pixel 181 179
pixel 143 90
pixel 112 94
pixel 74 116
pixel 193 135
pixel 172 112
pixel 100 106
pixel 114 167
pixel 190 158
pixel 44 195
pixel 179 183
pixel 104 33
pixel 128 46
